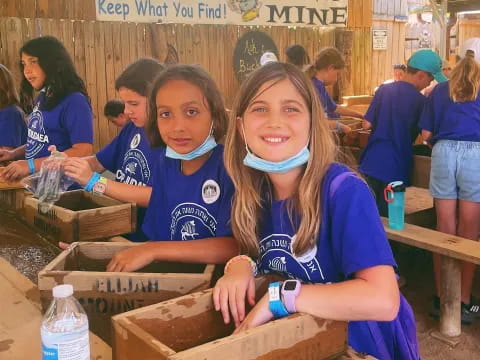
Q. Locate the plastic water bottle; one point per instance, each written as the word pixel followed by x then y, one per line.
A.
pixel 395 197
pixel 64 328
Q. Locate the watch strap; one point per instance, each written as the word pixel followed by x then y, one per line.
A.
pixel 275 303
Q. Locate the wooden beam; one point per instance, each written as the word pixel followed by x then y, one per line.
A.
pixel 440 243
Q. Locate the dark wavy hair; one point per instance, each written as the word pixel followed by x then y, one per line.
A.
pixel 195 75
pixel 139 76
pixel 297 55
pixel 61 76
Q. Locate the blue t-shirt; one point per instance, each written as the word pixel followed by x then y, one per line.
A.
pixel 130 158
pixel 394 114
pixel 190 207
pixel 329 106
pixel 13 129
pixel 69 122
pixel 448 120
pixel 351 239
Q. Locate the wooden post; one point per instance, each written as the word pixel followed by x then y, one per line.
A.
pixel 344 43
pixel 450 297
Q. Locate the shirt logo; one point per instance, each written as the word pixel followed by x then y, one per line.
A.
pixel 135 141
pixel 276 255
pixel 37 137
pixel 191 221
pixel 135 169
pixel 210 191
pixel 188 230
pixel 278 264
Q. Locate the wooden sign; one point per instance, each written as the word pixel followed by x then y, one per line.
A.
pixel 302 13
pixel 248 51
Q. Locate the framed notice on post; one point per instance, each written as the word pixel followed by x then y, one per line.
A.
pixel 379 39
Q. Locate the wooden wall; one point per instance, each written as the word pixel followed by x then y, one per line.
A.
pixel 383 60
pixel 467 29
pixel 360 23
pixel 101 50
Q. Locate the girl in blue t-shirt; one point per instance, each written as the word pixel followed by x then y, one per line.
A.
pixel 13 130
pixel 324 71
pixel 305 217
pixel 129 155
pixel 61 115
pixel 190 196
pixel 451 122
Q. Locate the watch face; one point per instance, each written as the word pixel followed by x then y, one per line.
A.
pixel 290 285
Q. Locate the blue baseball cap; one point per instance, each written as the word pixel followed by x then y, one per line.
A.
pixel 428 61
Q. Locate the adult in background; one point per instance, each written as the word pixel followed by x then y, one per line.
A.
pixel 61 114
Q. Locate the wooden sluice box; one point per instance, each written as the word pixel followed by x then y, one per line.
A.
pixel 189 328
pixel 103 294
pixel 79 216
pixel 11 195
pixel 13 199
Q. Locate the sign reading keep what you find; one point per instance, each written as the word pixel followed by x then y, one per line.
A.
pixel 236 12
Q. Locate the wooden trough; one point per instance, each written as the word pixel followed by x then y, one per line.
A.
pixel 190 328
pixel 11 195
pixel 103 294
pixel 80 216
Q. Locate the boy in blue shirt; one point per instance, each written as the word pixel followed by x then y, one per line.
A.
pixel 393 117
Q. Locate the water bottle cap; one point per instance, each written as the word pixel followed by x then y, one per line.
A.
pixel 397 186
pixel 63 291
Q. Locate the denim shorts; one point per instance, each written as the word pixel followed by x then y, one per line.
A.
pixel 455 172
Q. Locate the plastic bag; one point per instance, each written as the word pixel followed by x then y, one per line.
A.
pixel 50 182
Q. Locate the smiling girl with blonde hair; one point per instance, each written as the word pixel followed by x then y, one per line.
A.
pixel 304 216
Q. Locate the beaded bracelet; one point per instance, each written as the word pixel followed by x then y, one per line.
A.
pixel 252 263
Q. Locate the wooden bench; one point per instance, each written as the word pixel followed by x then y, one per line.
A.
pixel 454 250
pixel 419 208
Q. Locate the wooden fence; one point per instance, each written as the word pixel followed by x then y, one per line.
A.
pixel 468 28
pixel 101 50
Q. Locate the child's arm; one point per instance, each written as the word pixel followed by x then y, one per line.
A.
pixel 348 112
pixel 372 295
pixel 366 125
pixel 13 154
pixel 216 250
pixel 20 168
pixel 232 288
pixel 426 135
pixel 79 170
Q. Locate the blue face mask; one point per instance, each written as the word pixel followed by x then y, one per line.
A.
pixel 207 145
pixel 279 167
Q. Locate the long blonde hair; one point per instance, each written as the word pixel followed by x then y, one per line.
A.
pixel 250 184
pixel 465 80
